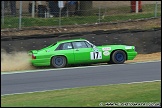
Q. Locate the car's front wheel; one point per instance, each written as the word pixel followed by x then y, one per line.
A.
pixel 58 61
pixel 118 57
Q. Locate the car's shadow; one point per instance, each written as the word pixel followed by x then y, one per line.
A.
pixel 70 66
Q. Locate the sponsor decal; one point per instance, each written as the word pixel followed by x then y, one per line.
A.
pixel 106 48
pixel 106 53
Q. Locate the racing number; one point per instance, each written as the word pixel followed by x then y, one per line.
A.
pixel 96 55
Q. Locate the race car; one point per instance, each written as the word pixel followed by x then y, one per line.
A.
pixel 80 51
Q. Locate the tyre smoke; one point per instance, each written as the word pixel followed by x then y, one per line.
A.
pixel 15 61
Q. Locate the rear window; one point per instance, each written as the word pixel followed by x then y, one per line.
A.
pixel 65 46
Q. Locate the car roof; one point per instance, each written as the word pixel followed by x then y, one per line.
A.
pixel 71 40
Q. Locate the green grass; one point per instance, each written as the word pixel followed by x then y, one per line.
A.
pixel 111 15
pixel 87 96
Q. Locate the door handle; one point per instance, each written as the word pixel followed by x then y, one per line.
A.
pixel 77 50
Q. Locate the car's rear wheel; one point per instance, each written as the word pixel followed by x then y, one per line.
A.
pixel 118 57
pixel 58 61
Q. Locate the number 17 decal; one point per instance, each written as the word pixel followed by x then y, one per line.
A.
pixel 96 55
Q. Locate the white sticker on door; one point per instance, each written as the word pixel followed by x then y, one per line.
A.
pixel 96 55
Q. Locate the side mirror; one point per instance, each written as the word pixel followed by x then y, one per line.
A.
pixel 95 48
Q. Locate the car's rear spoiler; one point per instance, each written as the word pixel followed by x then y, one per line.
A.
pixel 32 52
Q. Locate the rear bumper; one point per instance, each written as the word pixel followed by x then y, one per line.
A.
pixel 40 62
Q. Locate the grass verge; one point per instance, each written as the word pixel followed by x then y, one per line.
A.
pixel 147 92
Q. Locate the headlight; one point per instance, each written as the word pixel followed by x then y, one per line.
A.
pixel 128 47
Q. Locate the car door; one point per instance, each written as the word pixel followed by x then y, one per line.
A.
pixel 84 52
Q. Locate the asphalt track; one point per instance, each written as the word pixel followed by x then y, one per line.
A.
pixel 53 79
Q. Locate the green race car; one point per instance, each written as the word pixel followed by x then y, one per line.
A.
pixel 81 51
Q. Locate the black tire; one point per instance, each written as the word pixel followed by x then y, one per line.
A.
pixel 58 61
pixel 118 57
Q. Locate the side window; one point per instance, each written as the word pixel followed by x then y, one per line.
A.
pixel 64 46
pixel 80 45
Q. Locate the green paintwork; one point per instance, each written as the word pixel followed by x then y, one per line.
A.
pixel 80 55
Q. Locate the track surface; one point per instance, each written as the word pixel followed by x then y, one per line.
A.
pixel 79 77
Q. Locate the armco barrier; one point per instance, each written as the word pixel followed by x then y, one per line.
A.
pixel 146 41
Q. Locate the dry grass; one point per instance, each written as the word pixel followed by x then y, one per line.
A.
pixel 146 57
